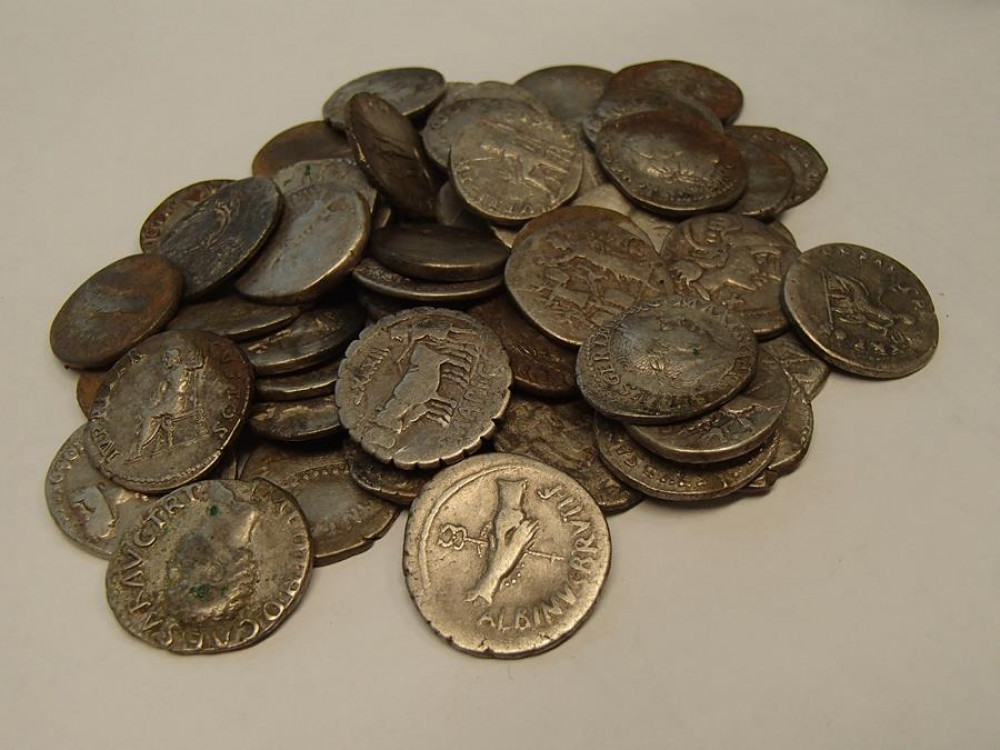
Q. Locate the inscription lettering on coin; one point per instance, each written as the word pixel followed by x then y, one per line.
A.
pixel 505 556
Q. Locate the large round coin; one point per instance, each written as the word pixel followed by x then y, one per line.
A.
pixel 666 361
pixel 576 269
pixel 310 140
pixel 505 556
pixel 423 387
pixel 217 238
pixel 172 209
pixel 115 309
pixel 671 166
pixel 734 261
pixel 437 253
pixel 515 166
pixel 446 123
pixel 412 91
pixel 212 567
pixel 697 82
pixel 808 167
pixel 861 310
pixel 168 409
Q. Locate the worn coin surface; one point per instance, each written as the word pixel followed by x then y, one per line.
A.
pixel 294 421
pixel 795 429
pixel 318 381
pixel 411 91
pixel 344 172
pixel 499 90
pixel 343 518
pixel 115 309
pixel 539 365
pixel 505 556
pixel 437 253
pixel 450 211
pixel 576 269
pixel 665 361
pixel 861 310
pixel 617 104
pixel 769 182
pixel 562 435
pixel 729 431
pixel 515 166
pixel 314 337
pixel 734 261
pixel 234 317
pixel 168 409
pixel 802 366
pixel 399 486
pixel 697 82
pixel 173 208
pixel 446 123
pixel 569 92
pixel 664 479
pixel 88 507
pixel 305 142
pixel 423 387
pixel 87 384
pixel 321 237
pixel 610 197
pixel 375 277
pixel 212 567
pixel 671 166
pixel 391 153
pixel 808 167
pixel 220 235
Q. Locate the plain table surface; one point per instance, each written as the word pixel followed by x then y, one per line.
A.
pixel 856 605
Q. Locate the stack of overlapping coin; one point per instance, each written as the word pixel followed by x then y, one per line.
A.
pixel 297 355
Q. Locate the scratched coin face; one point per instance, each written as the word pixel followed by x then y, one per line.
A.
pixel 807 166
pixel 515 166
pixel 168 409
pixel 343 519
pixel 666 361
pixel 212 567
pixel 412 91
pixel 423 387
pixel 861 310
pixel 733 261
pixel 172 209
pixel 505 556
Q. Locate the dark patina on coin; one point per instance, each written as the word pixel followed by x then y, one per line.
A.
pixel 686 79
pixel 315 337
pixel 87 385
pixel 375 277
pixel 168 409
pixel 769 182
pixel 569 92
pixel 212 567
pixel 174 207
pixel 436 253
pixel 217 238
pixel 318 381
pixel 234 317
pixel 411 91
pixel 399 486
pixel 115 309
pixel 343 172
pixel 617 104
pixel 808 167
pixel 294 421
pixel 305 142
pixel 861 310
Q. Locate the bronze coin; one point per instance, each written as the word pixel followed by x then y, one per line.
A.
pixel 437 253
pixel 310 140
pixel 703 84
pixel 172 209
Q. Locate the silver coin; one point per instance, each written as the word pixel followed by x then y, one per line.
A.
pixel 314 337
pixel 505 234
pixel 412 91
pixel 168 409
pixel 219 236
pixel 808 167
pixel 343 172
pixel 795 429
pixel 227 467
pixel 375 277
pixel 294 421
pixel 446 123
pixel 423 387
pixel 734 261
pixel 671 166
pixel 505 556
pixel 569 92
pixel 686 79
pixel 437 253
pixel 664 479
pixel 610 197
pixel 451 212
pixel 769 183
pixel 729 431
pixel 562 435
pixel 591 176
pixel 234 317
pixel 211 567
pixel 88 507
pixel 377 306
pixel 172 209
pixel 783 231
pixel 343 519
pixel 577 268
pixel 399 486
pixel 861 310
pixel 802 366
pixel 499 90
pixel 617 104
pixel 665 361
pixel 321 237
pixel 515 166
pixel 318 381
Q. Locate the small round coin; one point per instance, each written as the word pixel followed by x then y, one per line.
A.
pixel 861 311
pixel 314 337
pixel 802 366
pixel 375 277
pixel 437 253
pixel 234 317
pixel 399 486
pixel 666 361
pixel 294 421
pixel 412 91
pixel 174 207
pixel 569 92
pixel 115 309
pixel 168 409
pixel 318 381
pixel 505 556
pixel 808 167
pixel 697 82
pixel 305 142
pixel 212 567
pixel 423 387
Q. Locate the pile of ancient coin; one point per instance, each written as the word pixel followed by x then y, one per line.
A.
pixel 578 277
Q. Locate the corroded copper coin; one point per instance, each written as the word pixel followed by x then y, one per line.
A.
pixel 697 82
pixel 562 435
pixel 343 172
pixel 808 167
pixel 115 309
pixel 375 277
pixel 315 337
pixel 423 387
pixel 391 153
pixel 318 381
pixel 399 486
pixel 168 409
pixel 802 366
pixel 173 208
pixel 411 91
pixel 437 253
pixel 294 421
pixel 234 317
pixel 212 567
pixel 569 92
pixel 305 142
pixel 87 385
pixel 539 365
pixel 666 361
pixel 217 238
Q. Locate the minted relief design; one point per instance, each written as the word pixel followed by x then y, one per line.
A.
pixel 173 416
